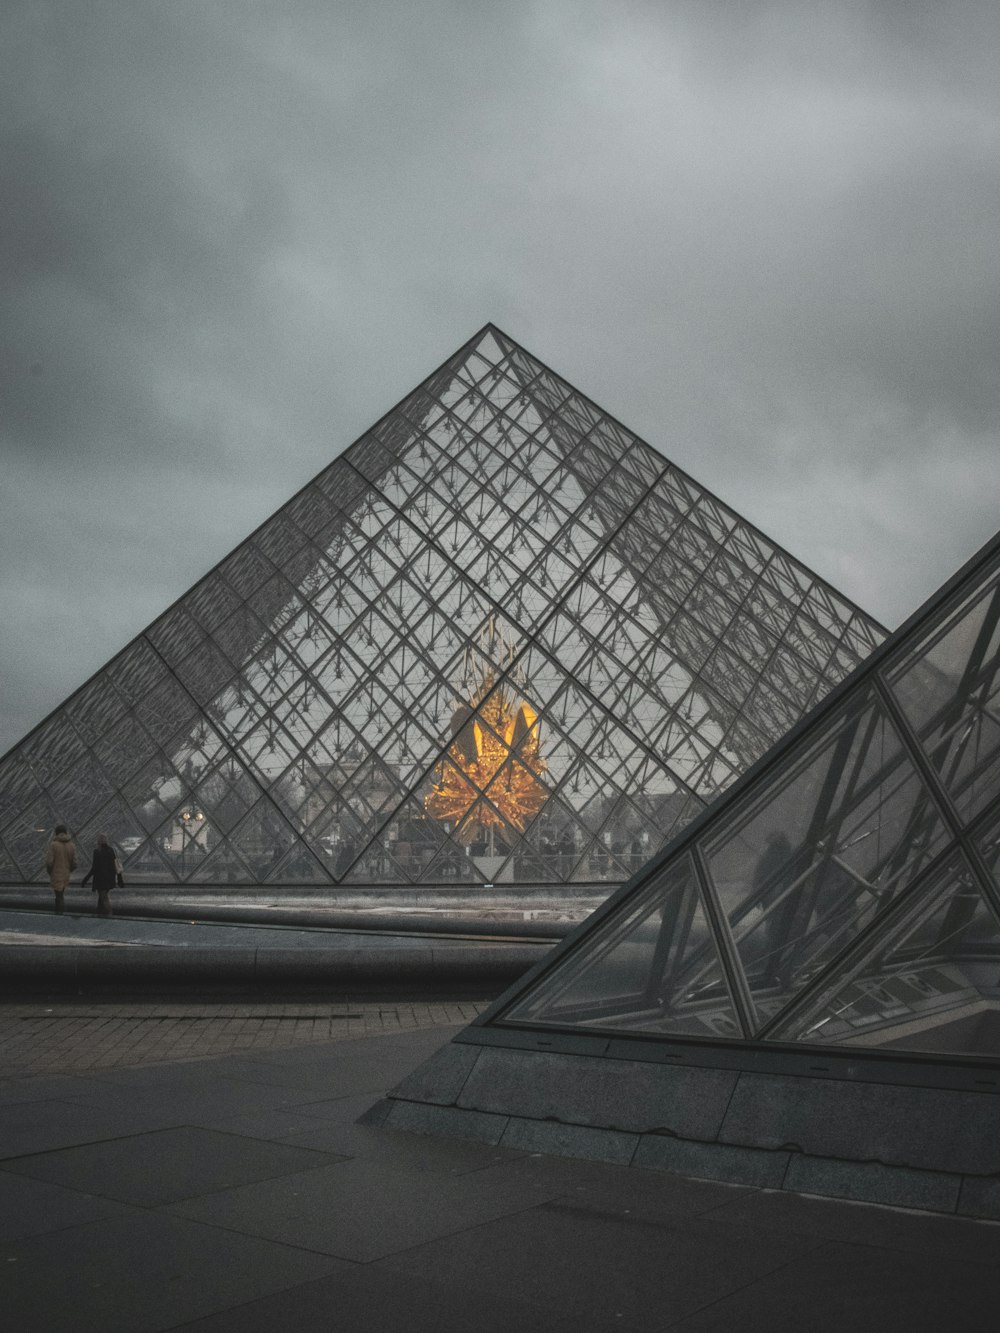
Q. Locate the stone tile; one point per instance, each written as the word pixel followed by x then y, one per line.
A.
pixel 422 1152
pixel 416 1118
pixel 791 1214
pixel 712 1161
pixel 409 1048
pixel 606 1094
pixel 32 1127
pixel 33 1207
pixel 547 1136
pixel 631 1191
pixel 43 1087
pixel 330 1079
pixel 980 1198
pixel 628 1272
pixel 281 1123
pixel 196 1089
pixel 373 1297
pixel 441 1078
pixel 142 1272
pixel 928 1128
pixel 858 1287
pixel 870 1182
pixel 167 1165
pixel 331 1110
pixel 361 1210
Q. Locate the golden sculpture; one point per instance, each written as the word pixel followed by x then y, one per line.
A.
pixel 496 752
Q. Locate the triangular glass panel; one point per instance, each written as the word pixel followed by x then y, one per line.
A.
pixel 336 837
pixel 949 688
pixel 822 850
pixel 262 839
pixel 227 793
pixel 186 839
pixel 375 865
pixel 222 865
pixel 8 867
pixel 27 836
pixel 156 790
pixel 96 708
pixel 148 864
pixel 925 981
pixel 651 969
pixel 53 749
pixel 19 788
pixel 452 865
pixel 298 866
pixel 116 820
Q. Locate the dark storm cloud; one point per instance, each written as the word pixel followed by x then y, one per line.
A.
pixel 234 235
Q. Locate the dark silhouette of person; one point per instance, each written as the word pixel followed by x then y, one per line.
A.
pixel 768 883
pixel 344 858
pixel 104 872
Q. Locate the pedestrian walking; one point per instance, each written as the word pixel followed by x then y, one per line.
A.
pixel 60 862
pixel 105 873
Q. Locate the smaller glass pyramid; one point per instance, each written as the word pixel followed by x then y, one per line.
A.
pixel 846 892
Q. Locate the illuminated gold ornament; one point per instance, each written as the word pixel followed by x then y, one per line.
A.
pixel 496 752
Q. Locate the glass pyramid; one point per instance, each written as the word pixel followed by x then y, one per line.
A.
pixel 846 892
pixel 499 639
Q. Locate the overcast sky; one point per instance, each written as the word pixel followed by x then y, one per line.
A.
pixel 235 232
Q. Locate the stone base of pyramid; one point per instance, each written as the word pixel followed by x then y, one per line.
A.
pixel 869 1132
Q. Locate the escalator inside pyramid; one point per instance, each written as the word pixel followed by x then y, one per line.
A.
pixel 498 641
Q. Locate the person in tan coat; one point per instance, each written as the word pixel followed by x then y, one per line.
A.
pixel 60 862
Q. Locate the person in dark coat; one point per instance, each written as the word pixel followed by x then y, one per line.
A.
pixel 104 873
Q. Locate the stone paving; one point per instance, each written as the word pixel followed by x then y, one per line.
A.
pixel 74 1036
pixel 222 1189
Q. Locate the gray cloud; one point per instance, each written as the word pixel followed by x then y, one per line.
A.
pixel 764 236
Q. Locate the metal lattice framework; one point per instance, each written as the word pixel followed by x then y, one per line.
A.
pixel 499 638
pixel 847 893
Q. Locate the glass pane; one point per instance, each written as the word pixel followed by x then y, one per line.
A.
pixel 929 981
pixel 78 794
pixel 52 749
pixel 95 708
pixel 262 839
pixel 124 749
pixel 949 688
pixel 28 835
pixel 18 787
pixel 652 968
pixel 820 851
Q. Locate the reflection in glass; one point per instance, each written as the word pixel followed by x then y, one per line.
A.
pixel 654 968
pixel 820 851
pixel 949 688
pixel 929 981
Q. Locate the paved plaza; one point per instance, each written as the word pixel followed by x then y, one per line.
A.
pixel 60 1037
pixel 198 1166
